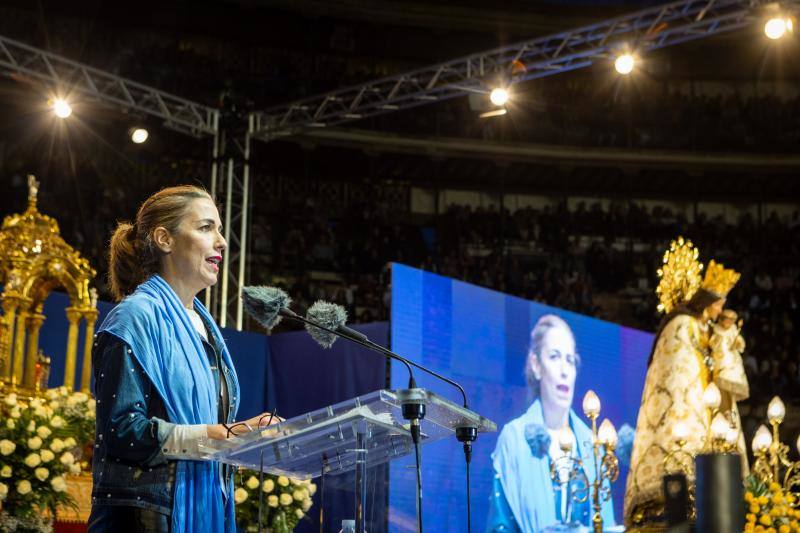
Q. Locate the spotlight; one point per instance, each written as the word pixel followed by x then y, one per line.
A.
pixel 499 96
pixel 496 113
pixel 775 28
pixel 139 135
pixel 61 108
pixel 624 64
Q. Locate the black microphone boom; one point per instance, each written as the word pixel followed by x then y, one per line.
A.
pixel 354 336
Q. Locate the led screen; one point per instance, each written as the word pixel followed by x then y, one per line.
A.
pixel 481 339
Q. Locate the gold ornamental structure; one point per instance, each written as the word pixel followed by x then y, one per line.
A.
pixel 35 260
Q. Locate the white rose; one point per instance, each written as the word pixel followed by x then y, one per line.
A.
pixel 7 447
pixel 283 481
pixel 55 404
pixel 57 445
pixel 44 431
pixel 239 495
pixel 286 499
pixel 272 500
pixel 75 469
pixel 3 491
pixel 33 460
pixel 57 422
pixel 299 514
pixel 252 482
pixel 67 459
pixel 6 471
pixel 80 396
pixel 34 443
pixel 36 402
pixel 47 456
pixel 41 473
pixel 268 485
pixel 299 495
pixel 24 487
pixel 58 484
pixel 15 413
pixel 51 394
pixel 40 412
pixel 69 442
pixel 71 402
pixel 306 505
pixel 11 400
pixel 10 424
pixel 312 489
pixel 31 427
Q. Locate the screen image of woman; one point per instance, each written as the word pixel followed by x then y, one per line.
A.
pixel 524 497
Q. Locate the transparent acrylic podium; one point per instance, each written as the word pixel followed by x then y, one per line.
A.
pixel 352 435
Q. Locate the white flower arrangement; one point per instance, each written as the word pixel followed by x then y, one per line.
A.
pixel 285 501
pixel 41 443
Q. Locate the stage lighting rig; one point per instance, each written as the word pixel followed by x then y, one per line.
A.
pixel 61 107
pixel 624 64
pixel 777 27
pixel 499 96
pixel 139 135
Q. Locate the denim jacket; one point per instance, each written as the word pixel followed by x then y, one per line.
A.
pixel 129 466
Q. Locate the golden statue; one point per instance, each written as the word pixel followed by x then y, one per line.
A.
pixel 681 365
pixel 35 260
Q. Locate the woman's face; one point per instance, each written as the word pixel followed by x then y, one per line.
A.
pixel 196 249
pixel 556 368
pixel 713 310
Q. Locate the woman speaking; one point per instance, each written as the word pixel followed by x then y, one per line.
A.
pixel 164 380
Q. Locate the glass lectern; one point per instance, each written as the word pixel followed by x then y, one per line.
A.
pixel 352 435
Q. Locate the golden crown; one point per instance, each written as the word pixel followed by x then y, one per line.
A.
pixel 719 280
pixel 679 276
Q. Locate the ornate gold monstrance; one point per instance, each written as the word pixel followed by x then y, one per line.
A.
pixel 34 260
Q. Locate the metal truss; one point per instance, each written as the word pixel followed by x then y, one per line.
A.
pixel 639 32
pixel 69 76
pixel 230 182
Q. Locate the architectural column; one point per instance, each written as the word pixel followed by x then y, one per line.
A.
pixel 35 320
pixel 7 339
pixel 74 316
pixel 19 340
pixel 86 374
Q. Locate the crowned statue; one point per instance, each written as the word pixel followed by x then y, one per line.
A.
pixel 689 352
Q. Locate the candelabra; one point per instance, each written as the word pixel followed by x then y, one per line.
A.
pixel 771 454
pixel 606 465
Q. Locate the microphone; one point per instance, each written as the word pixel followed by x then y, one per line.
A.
pixel 266 305
pixel 322 315
pixel 333 317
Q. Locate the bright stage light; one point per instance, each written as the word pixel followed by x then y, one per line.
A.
pixel 61 108
pixel 775 28
pixel 624 64
pixel 499 96
pixel 139 135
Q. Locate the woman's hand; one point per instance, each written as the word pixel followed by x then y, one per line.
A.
pixel 220 431
pixel 216 431
pixel 263 420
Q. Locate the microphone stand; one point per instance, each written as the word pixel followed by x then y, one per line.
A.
pixel 412 401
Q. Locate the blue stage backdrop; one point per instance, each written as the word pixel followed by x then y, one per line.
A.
pixel 480 338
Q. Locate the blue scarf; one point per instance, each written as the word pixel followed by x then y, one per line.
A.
pixel 526 479
pixel 155 324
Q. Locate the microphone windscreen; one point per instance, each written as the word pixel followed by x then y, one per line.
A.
pixel 264 304
pixel 325 314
